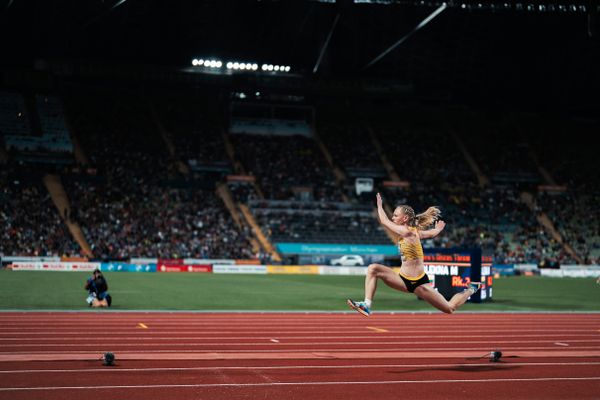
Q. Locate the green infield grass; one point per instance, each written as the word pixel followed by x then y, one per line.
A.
pixel 213 292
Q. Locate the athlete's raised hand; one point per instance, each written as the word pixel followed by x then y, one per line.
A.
pixel 440 225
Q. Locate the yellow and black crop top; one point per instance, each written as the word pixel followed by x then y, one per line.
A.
pixel 410 250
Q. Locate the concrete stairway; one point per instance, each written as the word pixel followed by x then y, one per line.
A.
pixel 237 165
pixel 262 238
pixel 225 194
pixel 340 176
pixel 391 171
pixel 61 201
pixel 481 178
pixel 547 223
pixel 166 138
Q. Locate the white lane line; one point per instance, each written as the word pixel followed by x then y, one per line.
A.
pixel 273 323
pixel 284 367
pixel 342 324
pixel 242 385
pixel 238 315
pixel 301 350
pixel 379 342
pixel 564 344
pixel 148 336
pixel 166 331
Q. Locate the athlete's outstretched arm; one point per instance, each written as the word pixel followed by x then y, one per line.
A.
pixel 399 230
pixel 430 233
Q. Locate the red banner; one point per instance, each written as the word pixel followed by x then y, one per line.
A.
pixel 184 268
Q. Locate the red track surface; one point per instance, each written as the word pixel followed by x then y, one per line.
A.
pixel 299 356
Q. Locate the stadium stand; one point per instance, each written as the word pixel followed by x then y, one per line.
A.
pixel 133 201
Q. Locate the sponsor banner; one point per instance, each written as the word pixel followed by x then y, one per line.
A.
pixel 30 259
pixel 503 269
pixel 526 267
pixel 571 273
pixel 127 267
pixel 239 269
pixel 206 261
pixel 319 248
pixel 185 268
pixel 247 262
pixel 144 260
pixel 293 269
pixel 54 266
pixel 327 270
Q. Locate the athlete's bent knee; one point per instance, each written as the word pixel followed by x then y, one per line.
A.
pixel 372 269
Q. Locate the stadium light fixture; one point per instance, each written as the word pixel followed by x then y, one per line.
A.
pixel 237 65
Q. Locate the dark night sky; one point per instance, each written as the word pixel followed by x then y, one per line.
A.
pixel 508 55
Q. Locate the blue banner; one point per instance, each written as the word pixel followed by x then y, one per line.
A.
pixel 335 248
pixel 503 269
pixel 126 267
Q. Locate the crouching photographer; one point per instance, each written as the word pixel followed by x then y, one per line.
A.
pixel 97 288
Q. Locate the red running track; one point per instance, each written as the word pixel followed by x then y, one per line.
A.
pixel 299 356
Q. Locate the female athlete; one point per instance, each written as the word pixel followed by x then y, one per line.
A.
pixel 409 230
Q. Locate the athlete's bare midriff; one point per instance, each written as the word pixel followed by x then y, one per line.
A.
pixel 412 268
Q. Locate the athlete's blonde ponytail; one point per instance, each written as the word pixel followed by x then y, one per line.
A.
pixel 423 220
pixel 427 218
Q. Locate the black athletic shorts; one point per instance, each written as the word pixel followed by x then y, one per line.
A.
pixel 413 283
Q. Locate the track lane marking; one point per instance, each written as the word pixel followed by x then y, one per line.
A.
pixel 300 344
pixel 379 330
pixel 134 338
pixel 283 367
pixel 218 385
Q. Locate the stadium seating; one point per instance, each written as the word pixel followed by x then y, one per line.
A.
pixel 287 167
pixel 318 222
pixel 133 201
pixel 31 223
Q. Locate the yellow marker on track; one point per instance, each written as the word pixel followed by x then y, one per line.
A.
pixel 380 330
pixel 140 325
